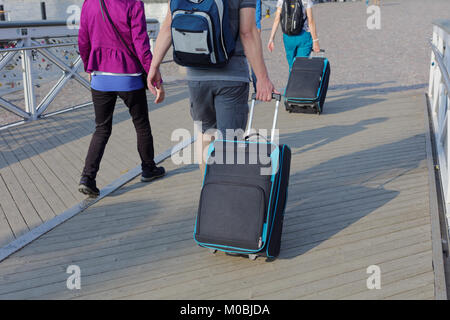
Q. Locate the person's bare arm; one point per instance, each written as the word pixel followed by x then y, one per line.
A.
pixel 163 41
pixel 313 30
pixel 251 41
pixel 162 45
pixel 276 22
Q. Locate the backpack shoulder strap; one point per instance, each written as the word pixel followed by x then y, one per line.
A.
pixel 131 52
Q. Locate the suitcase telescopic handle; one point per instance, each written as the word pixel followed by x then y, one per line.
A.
pixel 275 96
pixel 321 53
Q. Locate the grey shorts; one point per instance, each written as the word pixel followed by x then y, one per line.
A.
pixel 220 104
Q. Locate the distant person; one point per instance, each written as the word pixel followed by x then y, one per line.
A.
pixel 116 64
pixel 299 45
pixel 219 96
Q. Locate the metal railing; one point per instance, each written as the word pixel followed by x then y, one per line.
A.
pixel 33 42
pixel 438 94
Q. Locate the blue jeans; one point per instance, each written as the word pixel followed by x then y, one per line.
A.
pixel 297 46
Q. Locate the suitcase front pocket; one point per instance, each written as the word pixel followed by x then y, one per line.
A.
pixel 231 216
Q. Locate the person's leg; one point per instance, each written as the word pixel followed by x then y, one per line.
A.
pixel 104 103
pixel 136 101
pixel 290 48
pixel 203 113
pixel 231 103
pixel 305 45
pixel 201 146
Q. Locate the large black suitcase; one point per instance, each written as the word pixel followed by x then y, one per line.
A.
pixel 307 85
pixel 242 201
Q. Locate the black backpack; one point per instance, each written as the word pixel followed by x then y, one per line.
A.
pixel 292 17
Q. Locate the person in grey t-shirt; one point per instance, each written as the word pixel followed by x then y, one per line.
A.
pixel 219 96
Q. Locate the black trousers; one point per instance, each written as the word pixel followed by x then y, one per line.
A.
pixel 104 104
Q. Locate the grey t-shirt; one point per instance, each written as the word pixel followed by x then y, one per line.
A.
pixel 237 67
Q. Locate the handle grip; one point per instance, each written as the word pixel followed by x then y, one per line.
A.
pixel 275 96
pixel 321 52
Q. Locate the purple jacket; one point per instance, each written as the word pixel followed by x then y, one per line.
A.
pixel 101 49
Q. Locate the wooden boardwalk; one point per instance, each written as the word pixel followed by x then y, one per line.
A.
pixel 358 197
pixel 359 191
pixel 41 162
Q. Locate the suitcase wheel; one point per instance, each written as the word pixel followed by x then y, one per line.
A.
pixel 213 251
pixel 252 256
pixel 316 106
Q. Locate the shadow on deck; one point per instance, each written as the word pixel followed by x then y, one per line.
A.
pixel 358 196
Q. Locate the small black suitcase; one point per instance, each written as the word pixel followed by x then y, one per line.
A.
pixel 307 85
pixel 241 210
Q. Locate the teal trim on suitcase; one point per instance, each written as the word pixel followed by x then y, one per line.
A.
pixel 274 153
pixel 322 84
pixel 210 150
pixel 276 203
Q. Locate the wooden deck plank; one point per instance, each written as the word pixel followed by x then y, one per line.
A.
pixel 323 285
pixel 108 251
pixel 58 165
pixel 48 151
pixel 203 287
pixel 104 272
pixel 16 192
pixel 41 206
pixel 12 213
pixel 6 233
pixel 33 172
pixel 46 170
pixel 410 283
pixel 163 231
pixel 422 293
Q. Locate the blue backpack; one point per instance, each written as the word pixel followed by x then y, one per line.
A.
pixel 201 34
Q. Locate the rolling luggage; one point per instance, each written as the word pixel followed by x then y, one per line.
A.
pixel 242 201
pixel 307 85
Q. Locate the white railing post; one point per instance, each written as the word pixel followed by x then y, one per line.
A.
pixel 28 88
pixel 438 94
pixel 433 65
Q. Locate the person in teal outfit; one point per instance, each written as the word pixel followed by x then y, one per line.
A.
pixel 299 45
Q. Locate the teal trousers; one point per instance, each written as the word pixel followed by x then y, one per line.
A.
pixel 297 46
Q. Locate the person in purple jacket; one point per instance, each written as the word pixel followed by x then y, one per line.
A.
pixel 116 61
